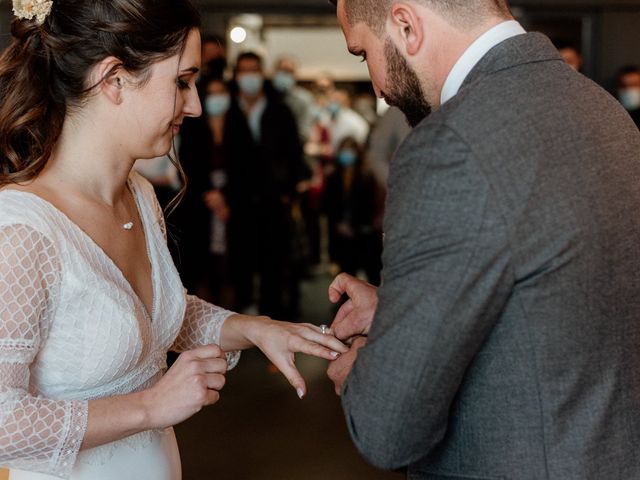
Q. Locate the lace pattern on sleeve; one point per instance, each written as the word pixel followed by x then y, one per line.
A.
pixel 36 434
pixel 202 324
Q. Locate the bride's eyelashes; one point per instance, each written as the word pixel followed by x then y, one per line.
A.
pixel 182 84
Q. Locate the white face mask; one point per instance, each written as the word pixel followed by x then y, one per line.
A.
pixel 217 105
pixel 283 81
pixel 250 83
pixel 629 97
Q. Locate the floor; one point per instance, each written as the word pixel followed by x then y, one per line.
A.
pixel 260 430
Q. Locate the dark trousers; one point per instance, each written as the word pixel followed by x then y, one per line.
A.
pixel 259 248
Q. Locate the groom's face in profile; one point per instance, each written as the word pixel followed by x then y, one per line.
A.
pixel 403 86
pixel 391 76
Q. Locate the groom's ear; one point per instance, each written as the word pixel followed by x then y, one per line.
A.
pixel 404 25
pixel 111 78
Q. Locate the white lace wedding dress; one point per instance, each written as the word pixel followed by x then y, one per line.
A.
pixel 72 329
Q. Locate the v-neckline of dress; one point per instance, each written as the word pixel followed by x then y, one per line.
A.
pixel 95 246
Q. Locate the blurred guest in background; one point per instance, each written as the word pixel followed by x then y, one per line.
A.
pixel 343 121
pixel 214 56
pixel 364 104
pixel 188 224
pixel 319 155
pixel 351 203
pixel 629 91
pixel 305 208
pixel 197 225
pixel 217 101
pixel 387 134
pixel 569 52
pixel 299 100
pixel 264 160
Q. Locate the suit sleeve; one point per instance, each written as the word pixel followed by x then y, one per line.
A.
pixel 446 276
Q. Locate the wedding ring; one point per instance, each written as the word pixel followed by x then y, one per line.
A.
pixel 324 329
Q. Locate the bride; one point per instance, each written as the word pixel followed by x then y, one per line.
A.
pixel 90 301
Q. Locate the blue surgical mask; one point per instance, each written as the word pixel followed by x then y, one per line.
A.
pixel 283 81
pixel 347 158
pixel 250 83
pixel 629 98
pixel 333 107
pixel 217 104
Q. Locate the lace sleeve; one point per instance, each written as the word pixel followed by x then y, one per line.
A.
pixel 36 434
pixel 202 324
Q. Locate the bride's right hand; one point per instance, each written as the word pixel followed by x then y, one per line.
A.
pixel 192 382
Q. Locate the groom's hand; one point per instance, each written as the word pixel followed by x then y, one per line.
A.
pixel 339 369
pixel 354 317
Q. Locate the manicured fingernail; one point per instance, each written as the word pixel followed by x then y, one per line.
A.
pixel 334 354
pixel 300 392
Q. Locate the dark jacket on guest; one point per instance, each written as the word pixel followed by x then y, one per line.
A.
pixel 262 178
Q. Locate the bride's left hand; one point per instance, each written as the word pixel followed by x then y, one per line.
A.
pixel 281 340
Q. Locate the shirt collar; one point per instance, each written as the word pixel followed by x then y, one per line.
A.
pixel 474 54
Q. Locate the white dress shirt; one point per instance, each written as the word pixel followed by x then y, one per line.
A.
pixel 474 54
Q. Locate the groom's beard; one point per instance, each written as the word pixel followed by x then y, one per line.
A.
pixel 404 90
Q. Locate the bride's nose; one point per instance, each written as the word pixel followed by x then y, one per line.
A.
pixel 192 106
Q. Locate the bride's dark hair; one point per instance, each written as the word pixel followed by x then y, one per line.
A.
pixel 44 72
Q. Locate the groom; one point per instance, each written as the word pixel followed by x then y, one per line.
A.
pixel 504 342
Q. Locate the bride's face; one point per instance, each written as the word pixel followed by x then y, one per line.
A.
pixel 161 104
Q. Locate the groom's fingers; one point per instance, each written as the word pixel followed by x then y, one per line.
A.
pixel 348 322
pixel 339 369
pixel 343 312
pixel 339 286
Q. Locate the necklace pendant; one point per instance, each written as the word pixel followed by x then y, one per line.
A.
pixel 128 226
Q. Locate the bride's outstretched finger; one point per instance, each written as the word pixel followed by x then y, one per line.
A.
pixel 311 347
pixel 288 368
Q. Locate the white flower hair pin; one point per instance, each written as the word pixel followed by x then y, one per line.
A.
pixel 29 9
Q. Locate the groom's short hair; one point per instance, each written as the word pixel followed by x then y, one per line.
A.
pixel 467 12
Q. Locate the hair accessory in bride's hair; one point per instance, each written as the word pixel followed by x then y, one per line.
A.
pixel 28 9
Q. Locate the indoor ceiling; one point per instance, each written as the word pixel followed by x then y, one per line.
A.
pixel 323 6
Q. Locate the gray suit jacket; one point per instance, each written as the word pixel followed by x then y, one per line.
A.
pixel 507 338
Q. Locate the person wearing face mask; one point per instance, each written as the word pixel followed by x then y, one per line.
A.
pixel 265 163
pixel 189 224
pixel 303 106
pixel 352 202
pixel 629 91
pixel 298 99
pixel 217 103
pixel 569 52
pixel 344 121
pixel 214 58
pixel 199 219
